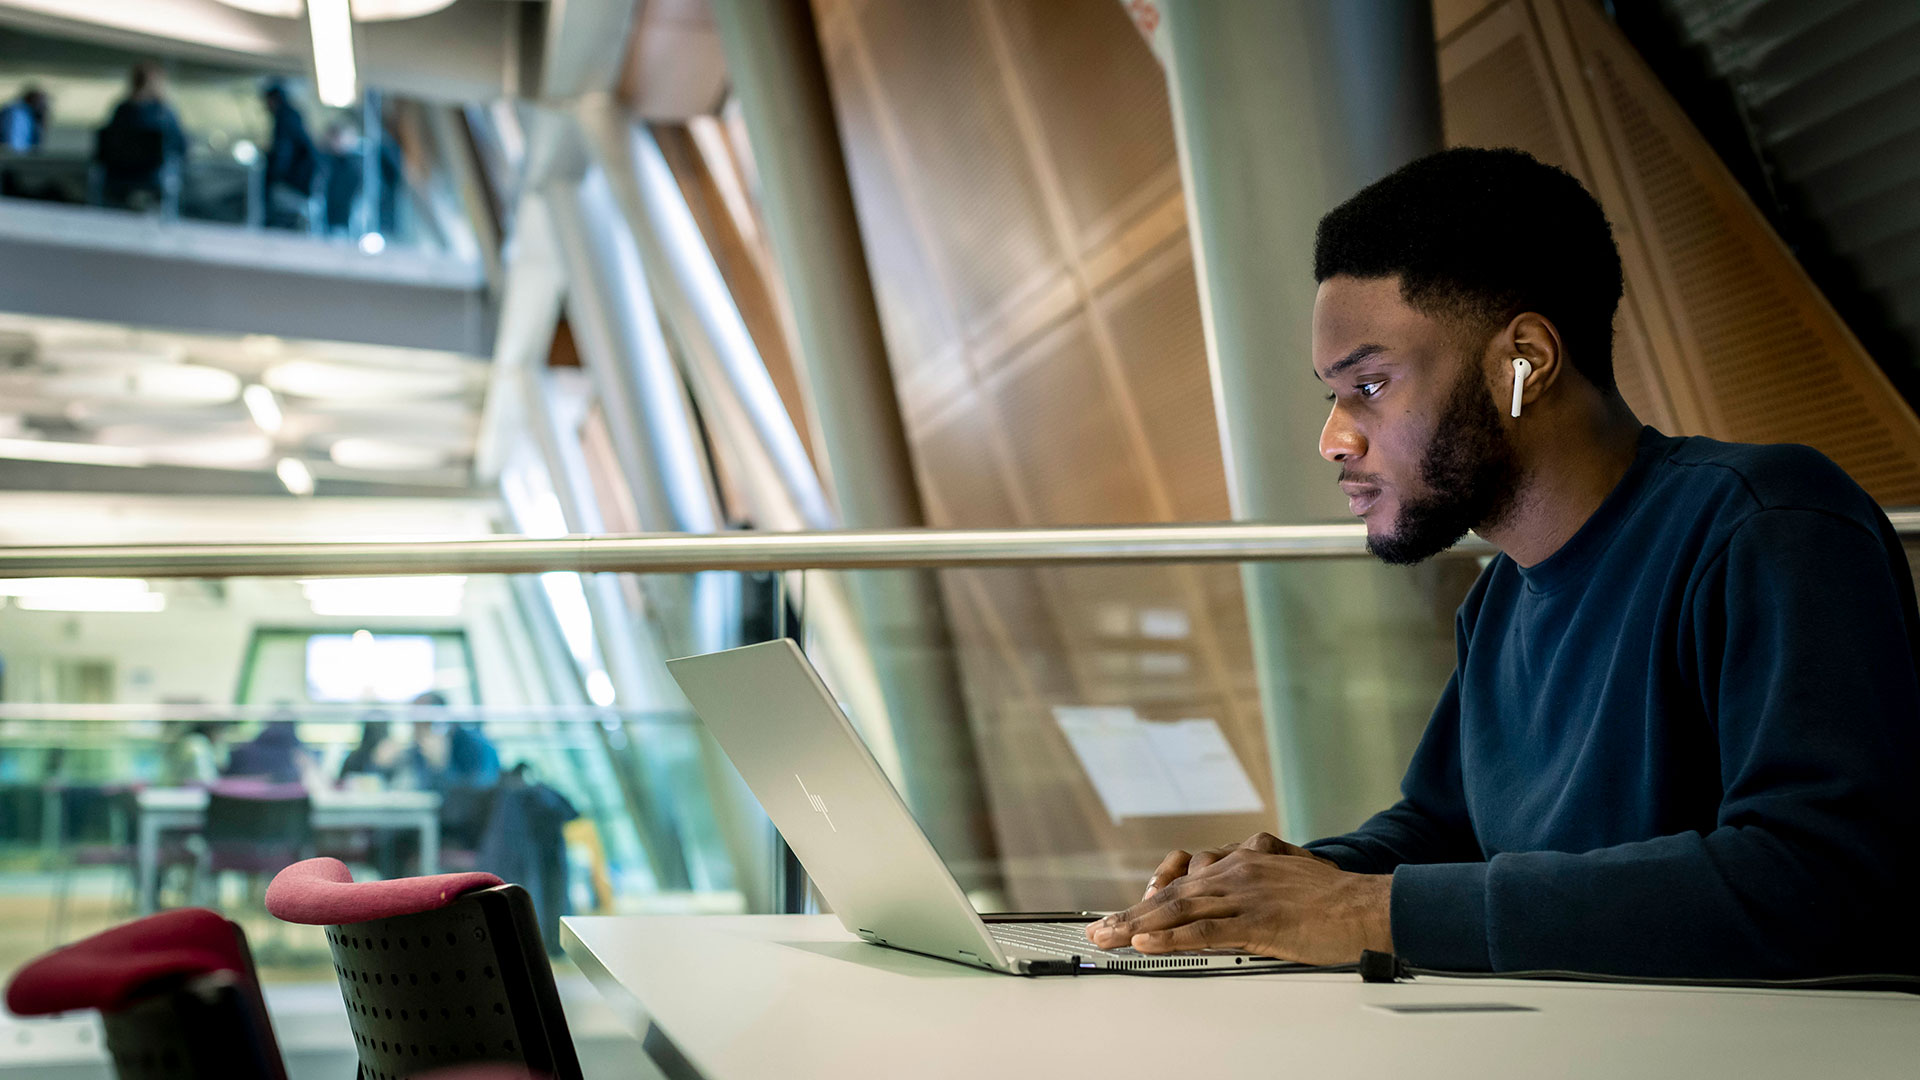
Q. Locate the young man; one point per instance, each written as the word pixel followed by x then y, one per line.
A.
pixel 1683 734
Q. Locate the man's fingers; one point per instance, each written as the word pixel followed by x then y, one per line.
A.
pixel 1204 859
pixel 1176 911
pixel 1171 867
pixel 1268 843
pixel 1200 934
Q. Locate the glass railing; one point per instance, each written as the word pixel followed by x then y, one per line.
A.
pixel 1059 707
pixel 111 811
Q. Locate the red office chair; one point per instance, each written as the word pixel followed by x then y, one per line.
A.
pixel 437 972
pixel 177 994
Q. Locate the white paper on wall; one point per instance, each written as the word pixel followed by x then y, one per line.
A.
pixel 1146 768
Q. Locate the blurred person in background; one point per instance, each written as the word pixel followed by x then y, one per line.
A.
pixel 139 144
pixel 195 755
pixel 448 755
pixel 23 121
pixel 276 754
pixel 292 161
pixel 378 753
pixel 341 154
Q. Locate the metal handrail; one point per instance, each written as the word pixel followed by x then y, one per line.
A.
pixel 675 553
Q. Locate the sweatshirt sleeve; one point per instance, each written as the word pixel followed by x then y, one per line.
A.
pixel 1800 644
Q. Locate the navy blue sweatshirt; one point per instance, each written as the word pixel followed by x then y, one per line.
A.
pixel 1685 744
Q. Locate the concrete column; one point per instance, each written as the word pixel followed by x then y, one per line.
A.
pixel 779 78
pixel 1281 111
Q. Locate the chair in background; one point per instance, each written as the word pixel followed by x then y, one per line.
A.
pixel 255 829
pixel 86 825
pixel 437 972
pixel 177 995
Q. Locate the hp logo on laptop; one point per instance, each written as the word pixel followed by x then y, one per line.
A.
pixel 819 804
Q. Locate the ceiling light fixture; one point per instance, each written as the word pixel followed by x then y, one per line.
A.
pixel 72 453
pixel 294 473
pixel 334 75
pixel 263 407
pixel 83 594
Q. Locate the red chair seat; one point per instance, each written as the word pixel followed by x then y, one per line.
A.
pixel 322 892
pixel 112 968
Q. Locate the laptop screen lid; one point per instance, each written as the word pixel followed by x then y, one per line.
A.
pixel 822 788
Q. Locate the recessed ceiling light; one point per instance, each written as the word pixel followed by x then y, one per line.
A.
pixel 263 407
pixel 295 475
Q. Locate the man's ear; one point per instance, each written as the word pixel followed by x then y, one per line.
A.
pixel 1532 337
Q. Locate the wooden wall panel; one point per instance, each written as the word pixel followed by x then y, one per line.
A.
pixel 1016 180
pixel 1721 333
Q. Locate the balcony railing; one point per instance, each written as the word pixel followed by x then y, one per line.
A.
pixel 687 552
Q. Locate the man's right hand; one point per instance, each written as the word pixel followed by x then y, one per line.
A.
pixel 1179 864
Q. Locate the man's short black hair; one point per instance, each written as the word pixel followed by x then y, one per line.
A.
pixel 1483 235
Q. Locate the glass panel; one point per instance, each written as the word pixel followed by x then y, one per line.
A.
pixel 522 725
pixel 1115 712
pixel 201 144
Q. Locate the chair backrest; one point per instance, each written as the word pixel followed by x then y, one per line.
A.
pixel 468 983
pixel 277 815
pixel 437 972
pixel 214 1025
pixel 177 993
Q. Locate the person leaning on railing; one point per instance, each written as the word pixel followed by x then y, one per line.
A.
pixel 1683 734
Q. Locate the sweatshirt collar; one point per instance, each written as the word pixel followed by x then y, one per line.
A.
pixel 1575 558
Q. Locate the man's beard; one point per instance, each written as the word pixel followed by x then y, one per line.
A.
pixel 1469 474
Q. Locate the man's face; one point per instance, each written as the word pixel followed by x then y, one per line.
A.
pixel 1422 449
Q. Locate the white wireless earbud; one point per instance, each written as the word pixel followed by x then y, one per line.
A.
pixel 1521 369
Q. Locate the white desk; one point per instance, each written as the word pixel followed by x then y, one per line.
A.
pixel 796 996
pixel 185 809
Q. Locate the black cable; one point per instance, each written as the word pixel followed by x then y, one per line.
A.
pixel 1386 967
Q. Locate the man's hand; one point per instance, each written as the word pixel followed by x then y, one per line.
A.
pixel 1291 906
pixel 1178 864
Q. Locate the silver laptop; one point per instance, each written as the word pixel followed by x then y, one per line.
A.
pixel 824 791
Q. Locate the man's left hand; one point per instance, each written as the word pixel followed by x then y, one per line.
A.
pixel 1288 906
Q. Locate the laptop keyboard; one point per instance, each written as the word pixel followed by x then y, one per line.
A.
pixel 1070 939
pixel 1064 939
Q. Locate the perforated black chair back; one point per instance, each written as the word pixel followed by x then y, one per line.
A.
pixel 211 1026
pixel 465 984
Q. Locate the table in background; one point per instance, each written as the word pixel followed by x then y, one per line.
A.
pixel 726 997
pixel 185 809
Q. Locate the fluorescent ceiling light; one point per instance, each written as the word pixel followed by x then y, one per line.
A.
pixel 145 603
pixel 333 70
pixel 72 453
pixel 294 473
pixel 153 383
pixel 386 455
pixel 263 407
pixel 428 596
pixel 332 381
pixel 364 10
pixel 83 594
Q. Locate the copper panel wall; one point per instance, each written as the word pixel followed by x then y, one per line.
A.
pixel 1014 169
